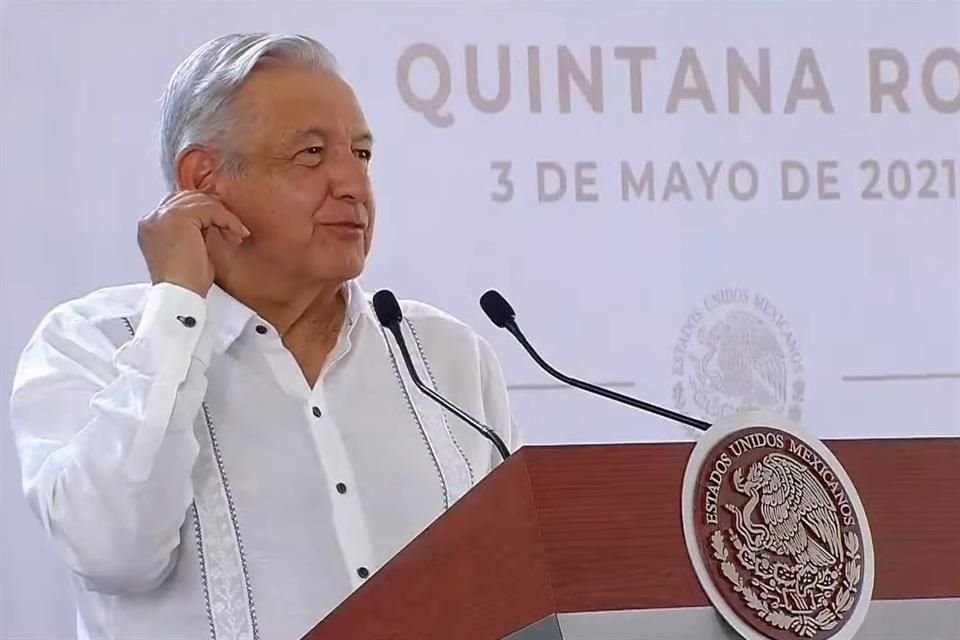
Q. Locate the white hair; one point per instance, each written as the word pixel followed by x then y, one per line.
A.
pixel 196 105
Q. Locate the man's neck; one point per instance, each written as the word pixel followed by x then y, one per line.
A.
pixel 316 308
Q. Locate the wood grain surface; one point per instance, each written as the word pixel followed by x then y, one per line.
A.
pixel 598 527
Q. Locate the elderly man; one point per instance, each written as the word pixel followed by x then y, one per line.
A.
pixel 230 450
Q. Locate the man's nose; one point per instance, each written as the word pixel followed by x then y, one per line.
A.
pixel 348 177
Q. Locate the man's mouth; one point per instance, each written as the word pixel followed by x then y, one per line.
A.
pixel 346 224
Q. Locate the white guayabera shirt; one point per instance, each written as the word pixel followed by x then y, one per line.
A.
pixel 198 487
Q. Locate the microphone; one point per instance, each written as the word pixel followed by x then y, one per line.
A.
pixel 502 314
pixel 388 313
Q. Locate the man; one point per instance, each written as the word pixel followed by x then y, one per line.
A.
pixel 233 448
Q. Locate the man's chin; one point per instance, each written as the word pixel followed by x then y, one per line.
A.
pixel 342 272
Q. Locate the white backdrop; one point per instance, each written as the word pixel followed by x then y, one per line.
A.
pixel 681 265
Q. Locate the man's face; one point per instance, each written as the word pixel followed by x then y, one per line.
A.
pixel 305 192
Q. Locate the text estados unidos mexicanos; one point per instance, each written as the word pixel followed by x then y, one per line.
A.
pixel 722 464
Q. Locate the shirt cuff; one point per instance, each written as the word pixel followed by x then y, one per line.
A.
pixel 172 324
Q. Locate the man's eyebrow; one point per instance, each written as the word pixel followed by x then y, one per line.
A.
pixel 318 132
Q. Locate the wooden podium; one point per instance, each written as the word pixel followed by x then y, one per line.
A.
pixel 587 542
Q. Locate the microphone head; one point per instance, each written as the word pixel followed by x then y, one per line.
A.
pixel 497 308
pixel 387 308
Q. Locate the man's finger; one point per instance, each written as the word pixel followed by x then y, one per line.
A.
pixel 185 193
pixel 188 197
pixel 167 198
pixel 224 219
pixel 207 211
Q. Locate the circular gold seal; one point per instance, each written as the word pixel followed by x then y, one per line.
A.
pixel 776 531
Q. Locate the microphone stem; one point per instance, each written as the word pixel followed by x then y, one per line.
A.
pixel 485 431
pixel 607 393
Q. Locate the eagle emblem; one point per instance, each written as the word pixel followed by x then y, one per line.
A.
pixel 743 363
pixel 776 532
pixel 736 352
pixel 802 571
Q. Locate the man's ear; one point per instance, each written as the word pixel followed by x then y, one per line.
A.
pixel 196 169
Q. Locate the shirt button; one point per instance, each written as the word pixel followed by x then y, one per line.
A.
pixel 341 488
pixel 187 321
pixel 261 329
pixel 363 573
pixel 316 412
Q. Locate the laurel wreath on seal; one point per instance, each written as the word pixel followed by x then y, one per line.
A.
pixel 804 625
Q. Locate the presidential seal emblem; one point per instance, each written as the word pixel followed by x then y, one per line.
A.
pixel 776 531
pixel 737 352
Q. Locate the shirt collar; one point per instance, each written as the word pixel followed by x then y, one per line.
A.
pixel 230 317
pixel 358 304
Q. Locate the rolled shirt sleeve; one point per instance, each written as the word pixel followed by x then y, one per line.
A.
pixel 105 436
